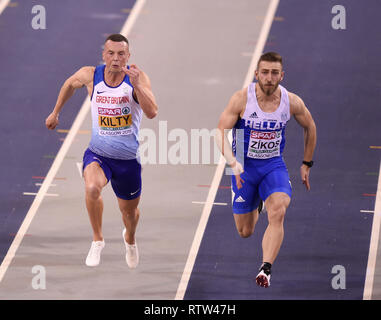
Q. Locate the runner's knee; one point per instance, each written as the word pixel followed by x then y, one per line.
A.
pixel 245 232
pixel 93 191
pixel 276 208
pixel 129 212
pixel 276 214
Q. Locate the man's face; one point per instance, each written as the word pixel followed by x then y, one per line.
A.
pixel 115 55
pixel 268 75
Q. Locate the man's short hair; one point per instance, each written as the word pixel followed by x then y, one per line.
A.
pixel 270 57
pixel 117 38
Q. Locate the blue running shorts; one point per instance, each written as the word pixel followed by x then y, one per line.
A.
pixel 125 175
pixel 262 178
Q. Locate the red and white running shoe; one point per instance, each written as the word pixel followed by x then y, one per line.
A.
pixel 263 279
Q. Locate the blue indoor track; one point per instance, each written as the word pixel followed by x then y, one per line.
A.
pixel 336 73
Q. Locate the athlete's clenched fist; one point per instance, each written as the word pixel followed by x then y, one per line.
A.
pixel 51 121
pixel 134 73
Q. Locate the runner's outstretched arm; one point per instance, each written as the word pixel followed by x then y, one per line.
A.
pixel 303 117
pixel 83 77
pixel 227 121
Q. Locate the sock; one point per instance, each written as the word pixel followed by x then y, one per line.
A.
pixel 266 267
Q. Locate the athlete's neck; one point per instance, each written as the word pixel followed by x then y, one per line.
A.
pixel 268 103
pixel 262 96
pixel 113 78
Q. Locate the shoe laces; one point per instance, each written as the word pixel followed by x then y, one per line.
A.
pixel 96 247
pixel 131 248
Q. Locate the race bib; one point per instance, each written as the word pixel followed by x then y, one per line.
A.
pixel 114 121
pixel 264 144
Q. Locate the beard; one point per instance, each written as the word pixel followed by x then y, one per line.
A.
pixel 268 91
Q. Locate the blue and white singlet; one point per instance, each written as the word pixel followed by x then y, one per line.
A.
pixel 258 143
pixel 264 133
pixel 116 119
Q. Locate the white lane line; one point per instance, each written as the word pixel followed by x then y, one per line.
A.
pixel 374 239
pixel 261 41
pixel 59 158
pixel 135 12
pixel 367 211
pixel 221 165
pixel 200 230
pixel 79 166
pixel 3 5
pixel 214 203
pixel 38 184
pixel 35 193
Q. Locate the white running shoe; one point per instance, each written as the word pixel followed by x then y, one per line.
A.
pixel 94 255
pixel 132 253
pixel 263 279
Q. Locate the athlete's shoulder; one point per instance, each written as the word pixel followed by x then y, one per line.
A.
pixel 295 100
pixel 240 96
pixel 82 77
pixel 238 101
pixel 145 77
pixel 87 70
pixel 296 103
pixel 86 74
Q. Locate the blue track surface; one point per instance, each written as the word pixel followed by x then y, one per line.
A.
pixel 336 72
pixel 34 64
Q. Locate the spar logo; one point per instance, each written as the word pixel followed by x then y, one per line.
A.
pixel 109 111
pixel 264 135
